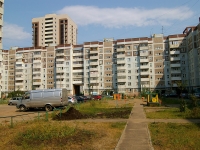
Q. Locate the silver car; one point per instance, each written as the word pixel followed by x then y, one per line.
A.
pixel 72 100
pixel 14 100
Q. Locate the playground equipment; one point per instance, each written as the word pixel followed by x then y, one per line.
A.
pixel 152 99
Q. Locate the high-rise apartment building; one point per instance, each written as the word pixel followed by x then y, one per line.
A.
pixel 1 26
pixel 53 29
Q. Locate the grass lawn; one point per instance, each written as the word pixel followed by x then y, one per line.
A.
pixel 173 136
pixel 3 101
pixel 173 113
pixel 35 135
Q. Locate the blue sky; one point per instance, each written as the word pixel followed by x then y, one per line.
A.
pixel 97 20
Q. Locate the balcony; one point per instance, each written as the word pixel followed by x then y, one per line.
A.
pixel 121 61
pixel 144 54
pixel 94 75
pixel 144 60
pixel 18 83
pixel 175 71
pixel 36 83
pixel 122 86
pixel 19 78
pixel 36 61
pixel 77 65
pixel 18 67
pixel 174 58
pixel 60 76
pixel 120 67
pixel 120 55
pixel 144 73
pixel 175 78
pixel 121 80
pixel 174 52
pixel 121 74
pixel 94 51
pixel 60 54
pixel 60 59
pixel 93 69
pixel 37 55
pixel 37 71
pixel 144 79
pixel 60 65
pixel 94 57
pixel 37 66
pixel 19 56
pixel 143 48
pixel 60 70
pixel 36 77
pixel 144 66
pixel 174 45
pixel 77 54
pixel 94 63
pixel 78 70
pixel 94 81
pixel 18 73
pixel 77 76
pixel 175 65
pixel 120 49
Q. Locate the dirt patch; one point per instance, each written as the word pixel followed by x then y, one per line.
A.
pixel 72 114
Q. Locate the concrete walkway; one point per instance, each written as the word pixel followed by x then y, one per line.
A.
pixel 136 134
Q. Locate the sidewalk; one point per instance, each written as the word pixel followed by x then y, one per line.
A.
pixel 136 134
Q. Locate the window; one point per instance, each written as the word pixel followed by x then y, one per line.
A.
pixel 129 71
pixel 128 59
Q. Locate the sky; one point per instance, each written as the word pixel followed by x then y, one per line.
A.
pixel 96 20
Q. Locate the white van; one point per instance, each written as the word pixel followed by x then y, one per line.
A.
pixel 46 98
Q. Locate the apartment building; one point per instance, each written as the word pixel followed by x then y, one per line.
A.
pixel 124 65
pixel 1 51
pixel 193 47
pixel 53 29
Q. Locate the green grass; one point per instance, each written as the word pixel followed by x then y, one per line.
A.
pixel 175 136
pixel 92 108
pixel 3 101
pixel 174 113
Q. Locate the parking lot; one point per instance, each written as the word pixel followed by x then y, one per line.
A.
pixel 7 112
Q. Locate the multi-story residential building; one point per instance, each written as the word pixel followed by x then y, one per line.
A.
pixel 54 29
pixel 124 65
pixel 193 52
pixel 1 58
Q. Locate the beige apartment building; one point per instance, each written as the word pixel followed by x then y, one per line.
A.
pixel 1 27
pixel 123 65
pixel 53 29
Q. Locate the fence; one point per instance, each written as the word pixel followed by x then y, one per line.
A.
pixel 40 115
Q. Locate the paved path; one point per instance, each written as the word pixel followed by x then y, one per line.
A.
pixel 136 134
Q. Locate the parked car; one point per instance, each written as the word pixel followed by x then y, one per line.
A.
pixel 72 100
pixel 14 100
pixel 85 98
pixel 197 95
pixel 96 97
pixel 171 95
pixel 79 99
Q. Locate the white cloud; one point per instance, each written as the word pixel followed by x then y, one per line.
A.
pixel 120 17
pixel 14 32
